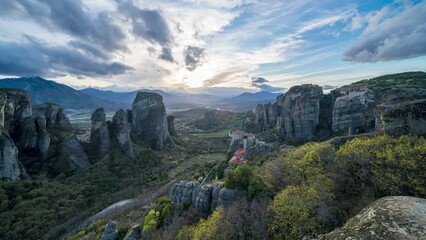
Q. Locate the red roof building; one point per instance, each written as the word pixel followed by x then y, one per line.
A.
pixel 238 158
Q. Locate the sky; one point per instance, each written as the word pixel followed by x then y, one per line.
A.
pixel 210 46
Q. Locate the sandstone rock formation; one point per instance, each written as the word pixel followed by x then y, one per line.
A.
pixel 70 155
pixel 184 192
pixel 9 166
pixel 355 112
pixel 149 119
pixel 54 115
pixel 99 135
pixel 171 125
pixel 249 124
pixel 110 231
pixel 205 198
pixel 299 112
pixel 208 122
pixel 407 118
pixel 390 218
pixel 135 233
pixel 121 131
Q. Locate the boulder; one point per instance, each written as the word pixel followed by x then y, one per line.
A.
pixel 171 125
pixel 390 218
pixel 184 192
pixel 229 196
pixel 299 112
pixel 407 118
pixel 9 165
pixel 204 198
pixel 110 231
pixel 355 112
pixel 99 135
pixel 149 119
pixel 121 132
pixel 135 233
pixel 70 155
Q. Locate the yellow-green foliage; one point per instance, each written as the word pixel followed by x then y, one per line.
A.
pixel 384 165
pixel 245 179
pixel 293 213
pixel 151 221
pixel 214 228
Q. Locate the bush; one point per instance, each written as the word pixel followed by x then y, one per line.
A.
pixel 151 221
pixel 244 178
pixel 293 213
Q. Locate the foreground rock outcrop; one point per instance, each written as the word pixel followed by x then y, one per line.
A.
pixel 204 198
pixel 110 231
pixel 391 218
pixel 9 165
pixel 150 120
pixel 99 135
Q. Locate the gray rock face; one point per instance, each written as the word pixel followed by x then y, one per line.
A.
pixel 208 122
pixel 9 167
pixel 43 143
pixel 390 218
pixel 407 118
pixel 149 119
pixel 70 155
pixel 110 231
pixel 14 105
pixel 121 132
pixel 355 112
pixel 260 149
pixel 185 192
pixel 135 233
pixel 249 124
pixel 171 125
pixel 54 114
pixel 300 112
pixel 99 135
pixel 215 194
pixel 204 198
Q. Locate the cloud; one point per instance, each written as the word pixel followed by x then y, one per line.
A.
pixel 33 57
pixel 256 80
pixel 399 37
pixel 222 76
pixel 262 84
pixel 194 57
pixel 71 17
pixel 166 55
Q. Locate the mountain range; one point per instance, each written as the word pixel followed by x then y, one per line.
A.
pixel 45 91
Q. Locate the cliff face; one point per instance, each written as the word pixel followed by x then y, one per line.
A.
pixel 304 112
pixel 9 166
pixel 149 119
pixel 99 135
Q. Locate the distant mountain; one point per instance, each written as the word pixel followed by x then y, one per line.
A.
pixel 44 91
pixel 170 100
pixel 252 97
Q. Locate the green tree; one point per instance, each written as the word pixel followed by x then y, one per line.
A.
pixel 244 178
pixel 151 221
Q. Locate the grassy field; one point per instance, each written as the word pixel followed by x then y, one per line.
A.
pixel 197 161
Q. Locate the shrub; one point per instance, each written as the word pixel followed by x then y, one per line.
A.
pixel 244 178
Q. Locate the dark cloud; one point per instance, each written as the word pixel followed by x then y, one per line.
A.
pixel 399 37
pixel 166 55
pixel 69 16
pixel 262 84
pixel 194 57
pixel 258 80
pixel 33 57
pixel 147 24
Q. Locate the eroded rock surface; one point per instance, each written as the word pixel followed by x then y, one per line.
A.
pixel 9 166
pixel 70 155
pixel 54 115
pixel 149 119
pixel 99 135
pixel 110 231
pixel 121 132
pixel 171 125
pixel 355 112
pixel 135 233
pixel 407 118
pixel 184 192
pixel 204 198
pixel 392 218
